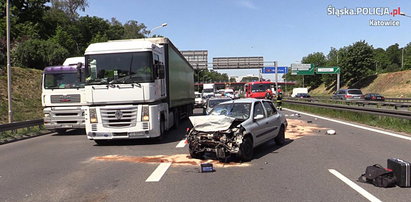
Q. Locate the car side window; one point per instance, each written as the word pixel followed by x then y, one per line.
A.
pixel 269 107
pixel 258 109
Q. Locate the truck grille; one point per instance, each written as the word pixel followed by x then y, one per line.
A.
pixel 71 98
pixel 117 118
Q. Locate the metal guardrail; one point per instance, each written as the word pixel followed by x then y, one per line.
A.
pixel 375 111
pixel 19 125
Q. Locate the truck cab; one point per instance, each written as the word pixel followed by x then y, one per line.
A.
pixel 63 97
pixel 136 88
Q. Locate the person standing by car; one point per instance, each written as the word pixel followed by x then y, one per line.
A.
pixel 279 100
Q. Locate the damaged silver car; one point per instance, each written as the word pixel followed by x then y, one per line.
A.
pixel 235 128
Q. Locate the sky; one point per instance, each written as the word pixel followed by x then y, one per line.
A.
pixel 278 30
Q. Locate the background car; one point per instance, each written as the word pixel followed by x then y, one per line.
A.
pixel 236 128
pixel 374 97
pixel 212 102
pixel 348 94
pixel 198 99
pixel 303 95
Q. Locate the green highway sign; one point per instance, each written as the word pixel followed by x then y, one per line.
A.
pixel 327 70
pixel 302 69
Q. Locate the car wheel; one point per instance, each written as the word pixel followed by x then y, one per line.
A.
pixel 246 150
pixel 195 154
pixel 280 138
pixel 102 142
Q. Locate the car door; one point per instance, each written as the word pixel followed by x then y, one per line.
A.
pixel 259 126
pixel 274 121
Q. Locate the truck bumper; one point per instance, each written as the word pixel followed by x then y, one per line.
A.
pixel 130 126
pixel 63 118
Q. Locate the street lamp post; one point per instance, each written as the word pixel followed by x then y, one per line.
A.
pixel 10 112
pixel 162 25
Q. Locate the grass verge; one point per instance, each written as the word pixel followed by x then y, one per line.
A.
pixel 21 133
pixel 391 123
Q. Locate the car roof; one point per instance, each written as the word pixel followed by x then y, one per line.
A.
pixel 245 100
pixel 220 98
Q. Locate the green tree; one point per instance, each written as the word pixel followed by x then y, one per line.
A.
pixel 134 30
pixel 36 53
pixel 357 62
pixel 70 7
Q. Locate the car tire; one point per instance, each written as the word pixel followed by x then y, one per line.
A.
pixel 194 154
pixel 280 138
pixel 246 150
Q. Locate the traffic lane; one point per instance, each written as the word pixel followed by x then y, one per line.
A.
pixel 297 171
pixel 284 173
pixel 33 167
pixel 352 149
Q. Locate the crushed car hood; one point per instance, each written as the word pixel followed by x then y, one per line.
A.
pixel 211 123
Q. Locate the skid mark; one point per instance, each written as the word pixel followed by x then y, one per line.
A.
pixel 298 128
pixel 176 160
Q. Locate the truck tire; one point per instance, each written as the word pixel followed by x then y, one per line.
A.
pixel 246 150
pixel 280 138
pixel 102 142
pixel 162 131
pixel 176 119
pixel 61 131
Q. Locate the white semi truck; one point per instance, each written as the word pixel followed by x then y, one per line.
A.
pixel 137 88
pixel 208 89
pixel 63 95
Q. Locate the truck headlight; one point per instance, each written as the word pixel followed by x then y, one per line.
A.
pixel 93 115
pixel 46 115
pixel 145 113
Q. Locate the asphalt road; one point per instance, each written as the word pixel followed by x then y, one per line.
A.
pixel 65 168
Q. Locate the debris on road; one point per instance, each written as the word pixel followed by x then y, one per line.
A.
pixel 331 132
pixel 206 168
pixel 176 160
pixel 298 128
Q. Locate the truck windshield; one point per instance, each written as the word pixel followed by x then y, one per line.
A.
pixel 260 87
pixel 62 80
pixel 119 68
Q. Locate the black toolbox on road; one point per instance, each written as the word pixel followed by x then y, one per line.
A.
pixel 401 170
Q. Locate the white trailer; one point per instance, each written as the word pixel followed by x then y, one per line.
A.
pixel 63 96
pixel 137 88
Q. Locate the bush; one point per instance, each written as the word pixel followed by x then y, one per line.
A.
pixel 36 53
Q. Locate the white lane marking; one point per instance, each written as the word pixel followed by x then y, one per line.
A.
pixel 354 186
pixel 356 126
pixel 182 143
pixel 158 172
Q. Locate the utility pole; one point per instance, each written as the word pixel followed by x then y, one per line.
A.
pixel 10 112
pixel 402 59
pixel 276 75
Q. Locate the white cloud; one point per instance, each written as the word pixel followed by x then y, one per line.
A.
pixel 248 4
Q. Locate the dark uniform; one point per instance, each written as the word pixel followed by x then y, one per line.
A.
pixel 279 100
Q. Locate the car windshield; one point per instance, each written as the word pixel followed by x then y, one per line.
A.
pixel 260 87
pixel 62 80
pixel 215 102
pixel 354 92
pixel 119 68
pixel 239 111
pixel 208 90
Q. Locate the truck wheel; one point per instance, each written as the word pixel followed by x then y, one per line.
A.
pixel 61 131
pixel 162 131
pixel 176 119
pixel 246 150
pixel 280 138
pixel 102 142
